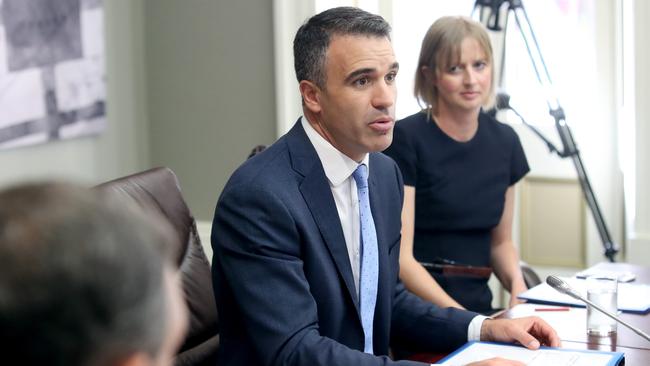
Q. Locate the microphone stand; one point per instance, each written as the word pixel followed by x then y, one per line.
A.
pixel 490 13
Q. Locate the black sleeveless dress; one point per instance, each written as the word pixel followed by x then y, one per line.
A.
pixel 459 194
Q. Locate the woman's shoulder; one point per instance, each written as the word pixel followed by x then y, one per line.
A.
pixel 494 126
pixel 413 122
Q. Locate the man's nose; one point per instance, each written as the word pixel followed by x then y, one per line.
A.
pixel 384 95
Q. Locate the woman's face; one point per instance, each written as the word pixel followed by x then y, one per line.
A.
pixel 464 86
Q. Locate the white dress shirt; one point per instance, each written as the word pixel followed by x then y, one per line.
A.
pixel 338 169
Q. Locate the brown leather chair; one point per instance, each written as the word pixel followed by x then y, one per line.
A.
pixel 158 189
pixel 531 279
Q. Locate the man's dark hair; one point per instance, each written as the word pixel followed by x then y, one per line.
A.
pixel 314 36
pixel 81 277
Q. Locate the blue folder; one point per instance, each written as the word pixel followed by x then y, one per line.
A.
pixel 492 349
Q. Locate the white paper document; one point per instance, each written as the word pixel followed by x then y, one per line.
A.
pixel 632 297
pixel 477 351
pixel 623 276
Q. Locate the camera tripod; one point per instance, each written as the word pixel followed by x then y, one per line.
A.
pixel 494 14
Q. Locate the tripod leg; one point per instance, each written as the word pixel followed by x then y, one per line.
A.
pixel 494 16
pixel 535 55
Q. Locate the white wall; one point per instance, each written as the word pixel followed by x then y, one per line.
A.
pixel 638 229
pixel 288 15
pixel 123 147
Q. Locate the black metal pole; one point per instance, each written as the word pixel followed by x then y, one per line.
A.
pixel 570 149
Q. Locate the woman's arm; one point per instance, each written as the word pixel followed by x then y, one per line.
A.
pixel 503 255
pixel 412 273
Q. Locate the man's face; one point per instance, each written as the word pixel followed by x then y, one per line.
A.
pixel 355 111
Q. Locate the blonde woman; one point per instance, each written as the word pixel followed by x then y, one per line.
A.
pixel 460 166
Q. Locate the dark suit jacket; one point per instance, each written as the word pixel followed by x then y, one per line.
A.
pixel 282 275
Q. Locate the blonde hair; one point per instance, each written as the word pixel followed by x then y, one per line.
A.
pixel 441 48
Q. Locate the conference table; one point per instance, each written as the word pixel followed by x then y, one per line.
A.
pixel 571 324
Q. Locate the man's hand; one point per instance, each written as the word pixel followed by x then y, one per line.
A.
pixel 531 332
pixel 497 361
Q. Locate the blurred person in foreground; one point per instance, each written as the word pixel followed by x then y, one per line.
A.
pixel 85 280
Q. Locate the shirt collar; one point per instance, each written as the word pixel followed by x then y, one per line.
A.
pixel 338 166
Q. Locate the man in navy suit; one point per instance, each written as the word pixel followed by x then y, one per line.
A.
pixel 286 232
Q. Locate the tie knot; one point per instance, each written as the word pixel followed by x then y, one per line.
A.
pixel 361 176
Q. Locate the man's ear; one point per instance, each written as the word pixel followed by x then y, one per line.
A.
pixel 310 96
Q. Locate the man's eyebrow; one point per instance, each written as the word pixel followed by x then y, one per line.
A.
pixel 354 74
pixel 368 70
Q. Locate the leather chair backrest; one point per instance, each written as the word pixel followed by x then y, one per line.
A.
pixel 531 279
pixel 158 189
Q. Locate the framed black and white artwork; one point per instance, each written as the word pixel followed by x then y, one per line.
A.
pixel 52 70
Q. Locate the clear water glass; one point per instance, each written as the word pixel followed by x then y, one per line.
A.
pixel 602 291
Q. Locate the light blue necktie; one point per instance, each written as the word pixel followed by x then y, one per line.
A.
pixel 369 262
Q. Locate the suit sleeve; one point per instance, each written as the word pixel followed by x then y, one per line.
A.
pixel 420 326
pixel 258 246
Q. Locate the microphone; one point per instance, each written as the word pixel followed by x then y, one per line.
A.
pixel 502 102
pixel 561 286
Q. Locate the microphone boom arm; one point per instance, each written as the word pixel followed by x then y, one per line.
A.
pixel 549 144
pixel 561 286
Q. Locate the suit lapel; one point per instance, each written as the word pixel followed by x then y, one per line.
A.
pixel 318 196
pixel 377 206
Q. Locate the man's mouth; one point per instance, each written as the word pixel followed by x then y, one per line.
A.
pixel 382 125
